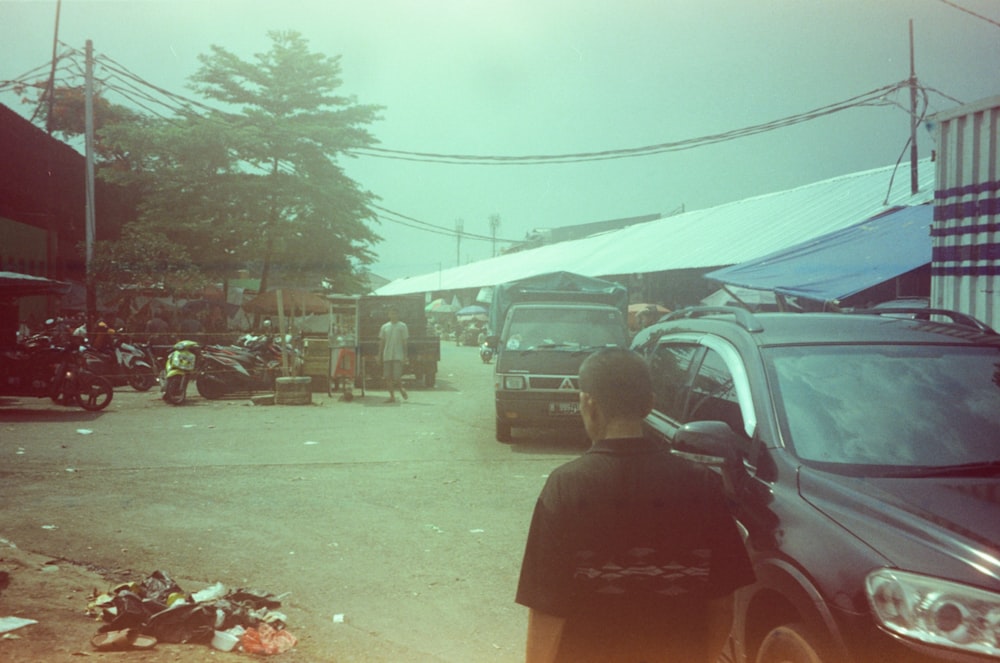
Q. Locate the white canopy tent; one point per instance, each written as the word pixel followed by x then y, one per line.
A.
pixel 722 235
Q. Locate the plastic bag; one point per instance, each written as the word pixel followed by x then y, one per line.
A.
pixel 266 640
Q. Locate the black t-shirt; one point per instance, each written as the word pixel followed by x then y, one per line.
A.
pixel 627 543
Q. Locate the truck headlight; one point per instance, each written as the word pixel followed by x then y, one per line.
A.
pixel 513 382
pixel 935 611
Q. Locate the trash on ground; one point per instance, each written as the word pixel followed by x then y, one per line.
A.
pixel 122 640
pixel 267 640
pixel 84 431
pixel 8 624
pixel 159 610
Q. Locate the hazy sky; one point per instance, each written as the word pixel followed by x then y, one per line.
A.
pixel 526 77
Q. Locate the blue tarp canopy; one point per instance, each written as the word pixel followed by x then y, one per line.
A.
pixel 842 263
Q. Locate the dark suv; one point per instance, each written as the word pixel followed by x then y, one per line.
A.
pixel 862 457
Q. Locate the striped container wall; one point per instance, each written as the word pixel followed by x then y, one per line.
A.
pixel 965 268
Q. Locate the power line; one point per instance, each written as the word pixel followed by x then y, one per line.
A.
pixel 441 230
pixel 871 98
pixel 970 12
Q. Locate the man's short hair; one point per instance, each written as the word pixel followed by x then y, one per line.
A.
pixel 619 381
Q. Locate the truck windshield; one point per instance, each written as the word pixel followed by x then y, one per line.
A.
pixel 563 329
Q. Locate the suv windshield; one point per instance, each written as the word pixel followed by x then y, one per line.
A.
pixel 900 406
pixel 564 328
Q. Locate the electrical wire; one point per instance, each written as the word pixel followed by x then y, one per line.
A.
pixel 871 98
pixel 970 12
pixel 430 227
pixel 144 94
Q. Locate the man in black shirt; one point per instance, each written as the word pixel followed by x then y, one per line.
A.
pixel 632 555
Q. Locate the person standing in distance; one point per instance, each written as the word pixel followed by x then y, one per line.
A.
pixel 392 340
pixel 632 555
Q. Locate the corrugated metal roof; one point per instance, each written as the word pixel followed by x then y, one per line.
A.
pixel 722 235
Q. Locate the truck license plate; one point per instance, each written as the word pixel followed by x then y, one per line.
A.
pixel 560 408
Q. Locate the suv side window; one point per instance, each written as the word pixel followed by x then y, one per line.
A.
pixel 669 366
pixel 713 394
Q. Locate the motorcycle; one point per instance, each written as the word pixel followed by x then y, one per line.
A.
pixel 486 352
pixel 238 368
pixel 123 363
pixel 41 368
pixel 180 366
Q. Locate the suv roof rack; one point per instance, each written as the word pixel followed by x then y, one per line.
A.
pixel 743 317
pixel 921 313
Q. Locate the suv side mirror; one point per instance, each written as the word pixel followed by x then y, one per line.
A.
pixel 709 438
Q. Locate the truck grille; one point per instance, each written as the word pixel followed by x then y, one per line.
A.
pixel 555 383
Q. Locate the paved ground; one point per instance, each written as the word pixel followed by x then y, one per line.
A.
pixel 406 521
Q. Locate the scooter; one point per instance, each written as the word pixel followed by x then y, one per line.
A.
pixel 223 371
pixel 180 366
pixel 122 363
pixel 486 352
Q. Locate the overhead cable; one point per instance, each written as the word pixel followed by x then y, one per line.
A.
pixel 874 97
pixel 970 12
pixel 424 225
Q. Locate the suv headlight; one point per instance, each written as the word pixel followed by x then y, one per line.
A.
pixel 936 611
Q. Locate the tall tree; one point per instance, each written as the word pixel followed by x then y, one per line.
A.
pixel 286 129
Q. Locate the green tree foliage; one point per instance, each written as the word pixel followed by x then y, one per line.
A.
pixel 143 259
pixel 294 207
pixel 255 185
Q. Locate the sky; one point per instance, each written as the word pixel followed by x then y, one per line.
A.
pixel 549 77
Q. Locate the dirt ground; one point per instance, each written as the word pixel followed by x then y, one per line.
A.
pixel 396 530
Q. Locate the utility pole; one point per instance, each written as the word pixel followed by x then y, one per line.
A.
pixel 459 227
pixel 914 178
pixel 88 119
pixel 52 72
pixel 494 225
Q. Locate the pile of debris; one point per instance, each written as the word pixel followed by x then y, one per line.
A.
pixel 137 615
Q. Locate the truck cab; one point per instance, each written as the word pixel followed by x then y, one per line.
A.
pixel 550 325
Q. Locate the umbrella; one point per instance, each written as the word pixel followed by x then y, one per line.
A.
pixel 635 309
pixel 471 313
pixel 293 301
pixel 440 306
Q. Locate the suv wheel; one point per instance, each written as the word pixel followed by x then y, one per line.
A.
pixel 788 643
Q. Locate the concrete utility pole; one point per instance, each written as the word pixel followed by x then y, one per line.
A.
pixel 459 227
pixel 494 225
pixel 88 120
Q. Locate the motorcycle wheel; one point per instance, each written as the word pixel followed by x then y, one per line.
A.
pixel 210 388
pixel 175 390
pixel 142 379
pixel 94 392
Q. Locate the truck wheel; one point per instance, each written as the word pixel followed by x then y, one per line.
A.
pixel 429 379
pixel 503 432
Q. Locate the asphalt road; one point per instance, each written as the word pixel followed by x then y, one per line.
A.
pixel 396 529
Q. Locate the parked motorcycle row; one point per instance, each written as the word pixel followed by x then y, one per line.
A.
pixel 63 365
pixel 53 365
pixel 250 365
